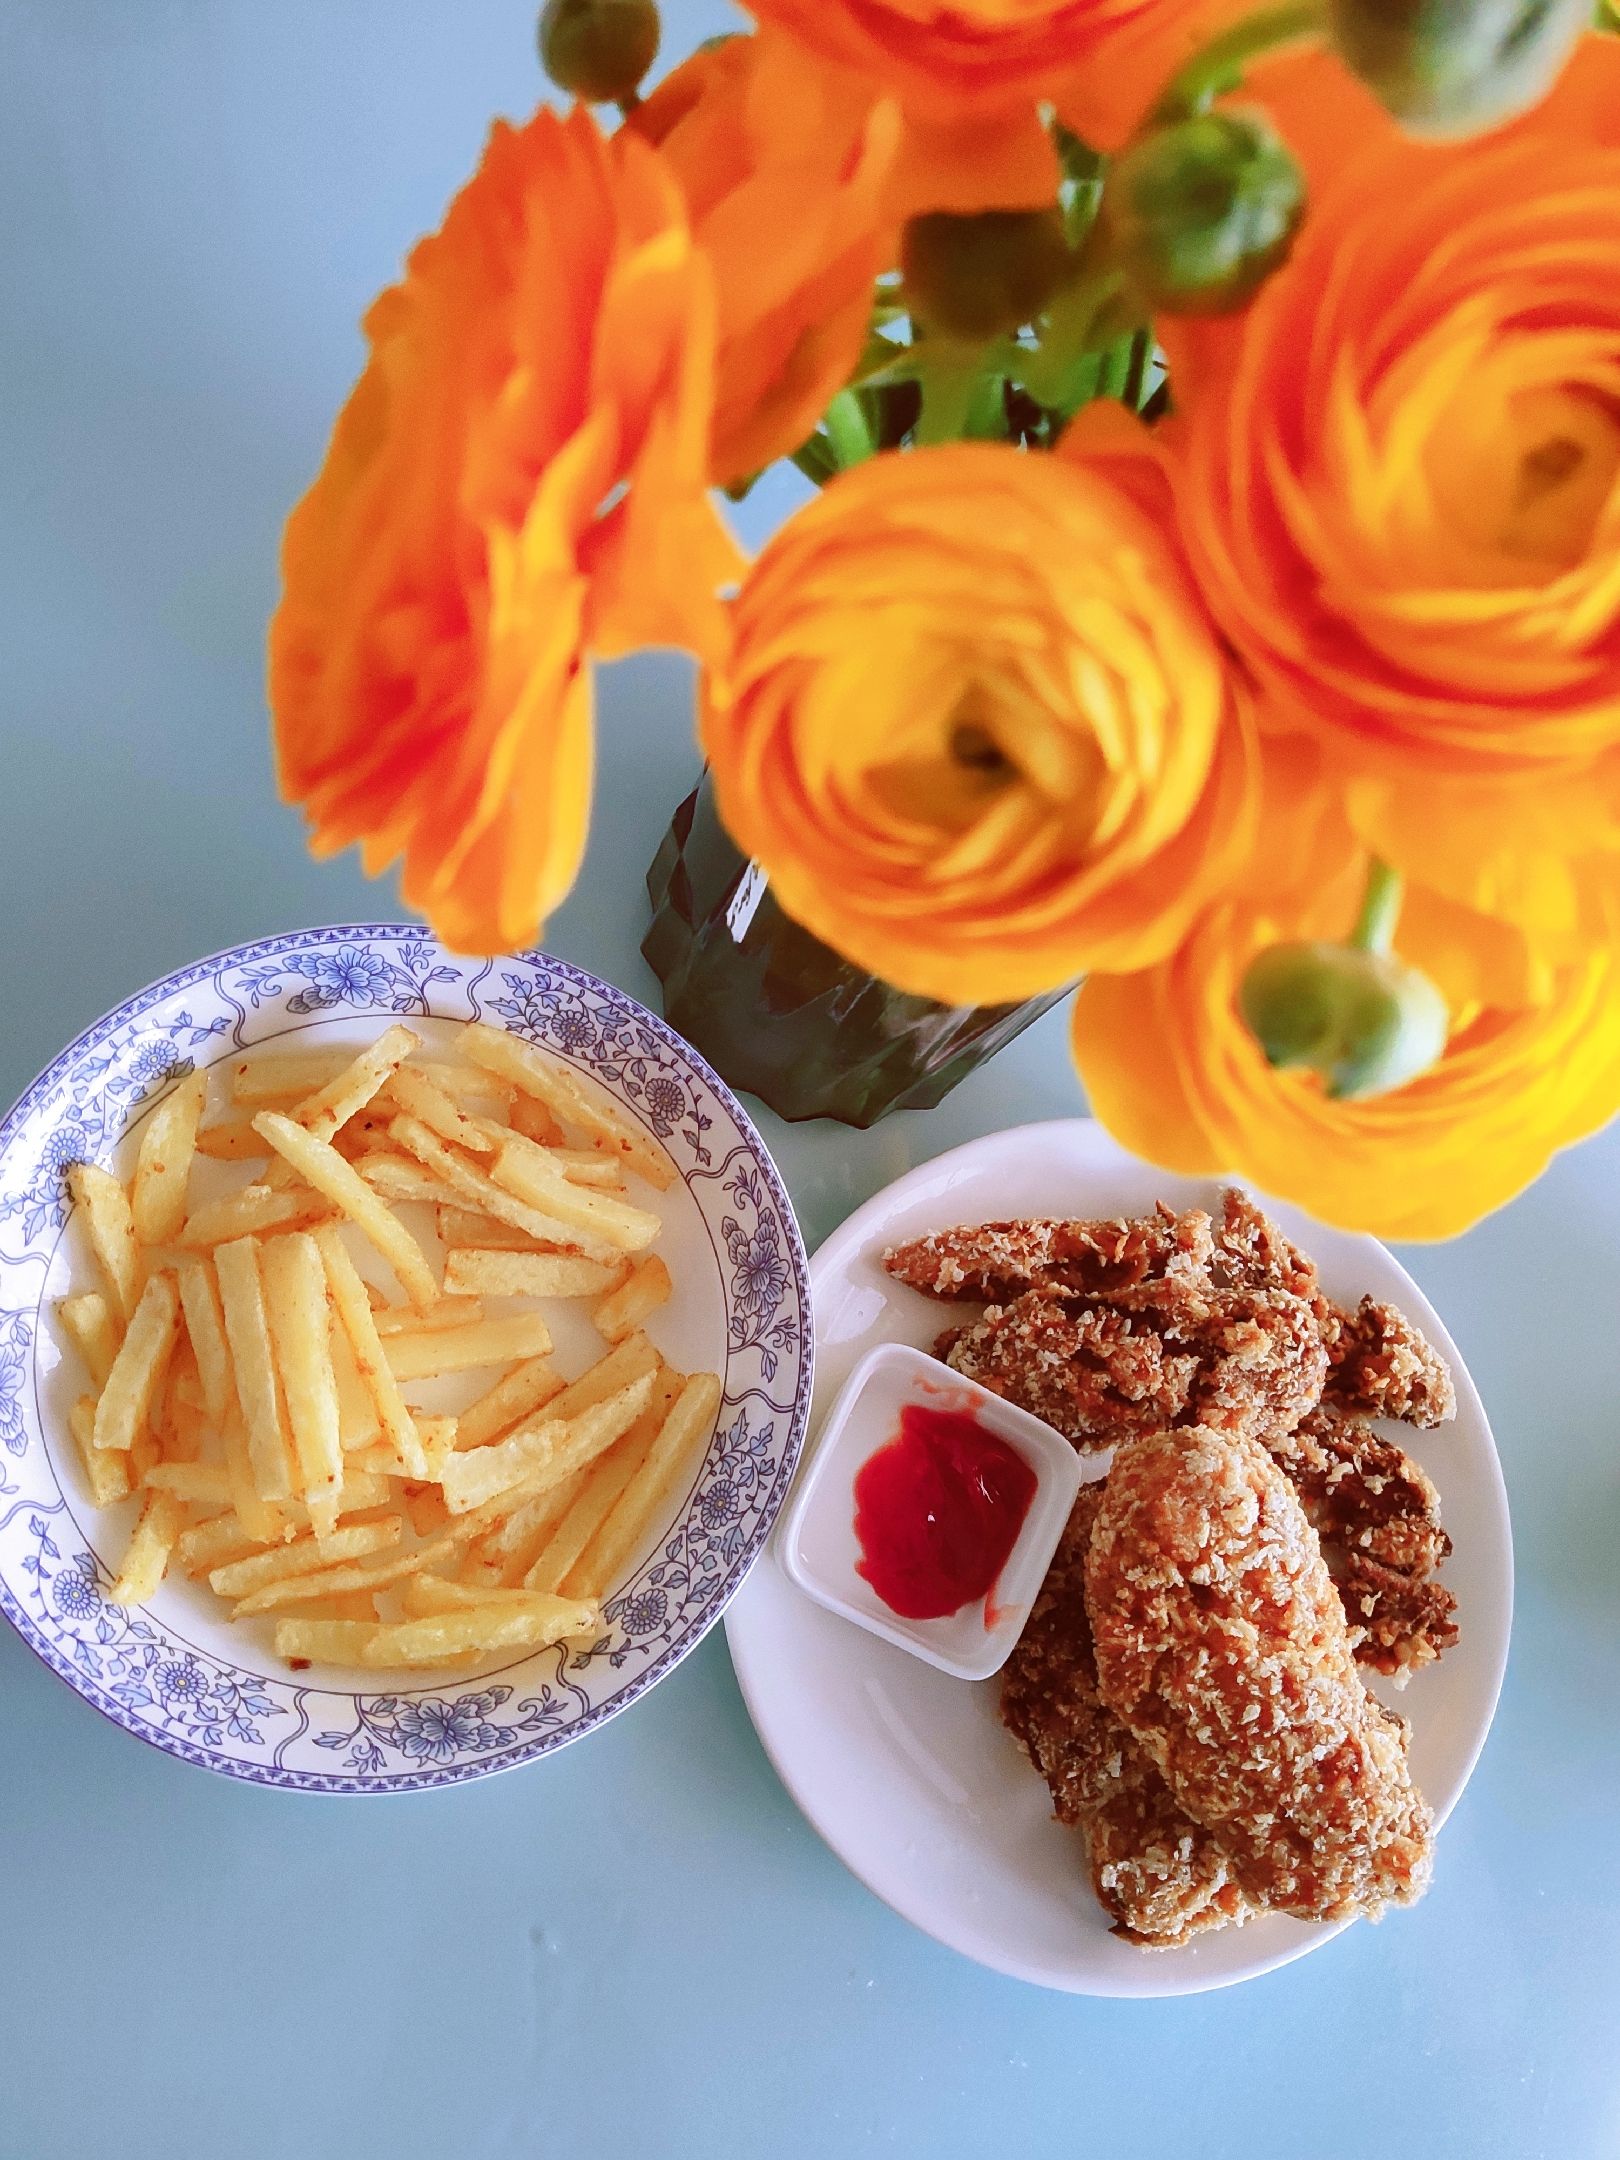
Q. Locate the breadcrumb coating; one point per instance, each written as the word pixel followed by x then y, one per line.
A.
pixel 1222 1645
pixel 1161 1877
pixel 993 1263
pixel 1384 1366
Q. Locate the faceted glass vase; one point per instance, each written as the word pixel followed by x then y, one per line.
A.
pixel 781 1015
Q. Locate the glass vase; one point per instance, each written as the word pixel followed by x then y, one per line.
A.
pixel 782 1015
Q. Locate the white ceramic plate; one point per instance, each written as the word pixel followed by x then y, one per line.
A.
pixel 177 1672
pixel 907 1773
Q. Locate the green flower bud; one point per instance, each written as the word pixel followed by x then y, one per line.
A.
pixel 598 50
pixel 1199 213
pixel 1453 67
pixel 1364 1020
pixel 975 277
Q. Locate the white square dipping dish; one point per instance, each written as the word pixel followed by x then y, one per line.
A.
pixel 817 1544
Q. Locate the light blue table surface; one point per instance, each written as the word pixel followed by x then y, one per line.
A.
pixel 637 1948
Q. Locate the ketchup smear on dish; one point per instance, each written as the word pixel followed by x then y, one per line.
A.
pixel 937 1511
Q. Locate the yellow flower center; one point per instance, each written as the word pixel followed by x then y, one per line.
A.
pixel 1528 480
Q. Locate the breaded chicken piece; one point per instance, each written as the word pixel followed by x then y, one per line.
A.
pixel 1251 1252
pixel 1400 1622
pixel 1222 1645
pixel 994 1263
pixel 1155 1355
pixel 1092 1374
pixel 1160 1877
pixel 1384 1366
pixel 1261 1363
pixel 1364 1492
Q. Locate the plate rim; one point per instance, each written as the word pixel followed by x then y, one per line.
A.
pixel 753 1685
pixel 273 1773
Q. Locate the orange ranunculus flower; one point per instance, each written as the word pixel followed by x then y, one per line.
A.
pixel 784 165
pixel 975 725
pixel 1400 465
pixel 951 55
pixel 1533 1061
pixel 516 481
pixel 798 174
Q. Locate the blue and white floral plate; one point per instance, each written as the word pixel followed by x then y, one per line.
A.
pixel 177 1672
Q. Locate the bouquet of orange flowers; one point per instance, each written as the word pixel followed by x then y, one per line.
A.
pixel 1212 595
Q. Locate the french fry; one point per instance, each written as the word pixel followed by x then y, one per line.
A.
pixel 569 1097
pixel 476 1272
pixel 687 1429
pixel 89 1320
pixel 247 1330
pixel 359 1426
pixel 468 1085
pixel 479 1190
pixel 264 1521
pixel 523 1391
pixel 483 1628
pixel 423 1596
pixel 420 1096
pixel 106 1471
pixel 163 1165
pixel 598 1490
pixel 323 1167
pixel 208 1545
pixel 513 1545
pixel 146 1557
pixel 111 1230
pixel 364 1575
pixel 139 1368
pixel 231 1140
pixel 205 1329
pixel 301 1332
pixel 424 1504
pixel 201 1483
pixel 322 1642
pixel 349 1090
pixel 486 1342
pixel 251 1212
pixel 358 1322
pixel 542 1454
pixel 400 1177
pixel 464 1228
pixel 623 1310
pixel 438 1442
pixel 354 1541
pixel 445 1312
pixel 626 1361
pixel 284 1078
pixel 534 1176
pixel 589 1166
pixel 529 1116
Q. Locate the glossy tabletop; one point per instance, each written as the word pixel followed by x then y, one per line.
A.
pixel 637 1947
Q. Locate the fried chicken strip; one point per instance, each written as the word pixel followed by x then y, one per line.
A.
pixel 993 1263
pixel 1092 1374
pixel 1384 1366
pixel 1222 1645
pixel 1378 1516
pixel 1160 1876
pixel 1155 1355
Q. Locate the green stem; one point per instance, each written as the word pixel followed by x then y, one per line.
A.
pixel 815 460
pixel 848 430
pixel 949 375
pixel 1380 908
pixel 1221 64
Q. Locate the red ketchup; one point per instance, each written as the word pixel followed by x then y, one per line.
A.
pixel 937 1511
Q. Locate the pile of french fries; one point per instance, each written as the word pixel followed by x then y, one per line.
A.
pixel 252 1388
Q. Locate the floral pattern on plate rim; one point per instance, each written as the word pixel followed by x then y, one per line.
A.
pixel 274 1730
